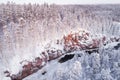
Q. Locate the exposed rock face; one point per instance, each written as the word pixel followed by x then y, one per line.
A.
pixel 33 66
pixel 26 29
pixel 103 64
pixel 72 42
pixel 25 36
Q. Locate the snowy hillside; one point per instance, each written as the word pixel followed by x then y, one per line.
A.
pixel 84 63
pixel 74 54
pixel 104 65
pixel 59 42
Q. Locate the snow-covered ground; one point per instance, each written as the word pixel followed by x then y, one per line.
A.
pixel 104 65
pixel 99 59
pixel 83 66
pixel 96 53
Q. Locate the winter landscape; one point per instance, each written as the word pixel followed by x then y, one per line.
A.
pixel 59 42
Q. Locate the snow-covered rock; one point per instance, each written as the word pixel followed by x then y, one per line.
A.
pixel 37 38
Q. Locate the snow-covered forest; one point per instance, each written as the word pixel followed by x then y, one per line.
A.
pixel 42 35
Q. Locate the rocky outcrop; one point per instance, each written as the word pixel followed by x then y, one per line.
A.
pixel 78 41
pixel 33 66
pixel 26 29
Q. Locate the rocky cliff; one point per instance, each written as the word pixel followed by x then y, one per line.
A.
pixel 25 30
